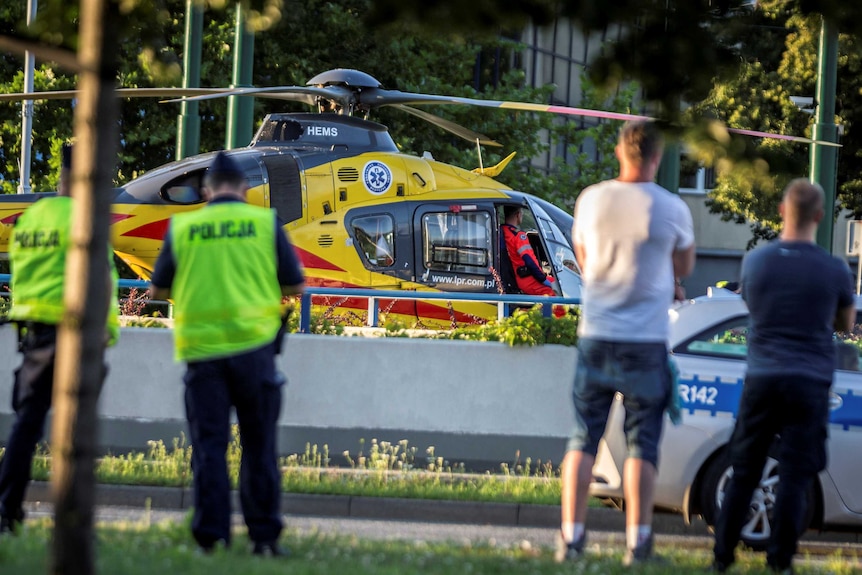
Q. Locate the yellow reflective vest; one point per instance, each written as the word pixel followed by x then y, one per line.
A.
pixel 37 257
pixel 227 299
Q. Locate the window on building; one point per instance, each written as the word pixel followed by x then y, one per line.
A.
pixel 375 239
pixel 457 242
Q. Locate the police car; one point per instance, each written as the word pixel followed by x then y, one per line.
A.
pixel 708 340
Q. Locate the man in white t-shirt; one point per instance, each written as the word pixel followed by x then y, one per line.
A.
pixel 633 240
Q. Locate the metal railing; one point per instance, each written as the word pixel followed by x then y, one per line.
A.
pixel 123 284
pixel 504 302
pixel 5 279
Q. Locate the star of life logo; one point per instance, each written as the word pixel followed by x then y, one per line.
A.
pixel 377 177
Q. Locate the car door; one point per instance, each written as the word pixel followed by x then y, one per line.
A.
pixel 712 367
pixel 845 429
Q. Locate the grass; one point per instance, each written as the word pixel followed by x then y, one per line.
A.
pixel 141 549
pixel 384 469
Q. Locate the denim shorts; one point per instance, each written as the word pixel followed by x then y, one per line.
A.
pixel 640 372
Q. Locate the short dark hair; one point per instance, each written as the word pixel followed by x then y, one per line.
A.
pixel 640 141
pixel 803 200
pixel 509 211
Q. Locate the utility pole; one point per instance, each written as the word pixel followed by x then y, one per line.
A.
pixel 824 159
pixel 27 109
pixel 240 117
pixel 189 121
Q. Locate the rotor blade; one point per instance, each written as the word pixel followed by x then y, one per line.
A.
pixel 450 127
pixel 121 93
pixel 305 94
pixel 380 97
pixel 376 97
pixel 773 136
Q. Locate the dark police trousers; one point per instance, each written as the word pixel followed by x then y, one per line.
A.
pixel 797 409
pixel 31 401
pixel 250 383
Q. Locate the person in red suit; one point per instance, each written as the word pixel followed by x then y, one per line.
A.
pixel 528 274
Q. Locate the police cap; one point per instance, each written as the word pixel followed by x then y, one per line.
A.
pixel 223 170
pixel 224 167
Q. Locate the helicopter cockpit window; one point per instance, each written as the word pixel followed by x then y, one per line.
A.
pixel 185 189
pixel 457 241
pixel 375 239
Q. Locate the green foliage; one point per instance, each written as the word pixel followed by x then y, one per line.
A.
pixel 153 321
pixel 590 147
pixel 143 547
pixel 524 327
pixel 385 469
pixel 322 323
pixel 779 60
pixel 5 302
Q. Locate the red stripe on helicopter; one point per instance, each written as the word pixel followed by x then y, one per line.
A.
pixel 312 261
pixel 120 217
pixel 11 219
pixel 151 231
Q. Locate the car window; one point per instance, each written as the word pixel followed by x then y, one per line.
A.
pixel 727 339
pixel 849 348
pixel 375 239
pixel 459 242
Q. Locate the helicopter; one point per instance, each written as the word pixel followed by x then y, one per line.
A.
pixel 360 213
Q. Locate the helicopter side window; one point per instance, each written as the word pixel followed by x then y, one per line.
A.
pixel 185 189
pixel 457 241
pixel 375 238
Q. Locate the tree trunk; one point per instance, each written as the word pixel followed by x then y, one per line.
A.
pixel 81 336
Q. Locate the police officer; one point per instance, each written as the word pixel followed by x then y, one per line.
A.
pixel 529 277
pixel 226 267
pixel 37 256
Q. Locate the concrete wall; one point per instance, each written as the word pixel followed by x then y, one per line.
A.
pixel 474 402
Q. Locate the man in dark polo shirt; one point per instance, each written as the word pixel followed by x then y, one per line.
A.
pixel 797 295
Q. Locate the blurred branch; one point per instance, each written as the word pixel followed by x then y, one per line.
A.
pixel 20 44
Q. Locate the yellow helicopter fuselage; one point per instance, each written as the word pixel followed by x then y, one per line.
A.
pixel 359 214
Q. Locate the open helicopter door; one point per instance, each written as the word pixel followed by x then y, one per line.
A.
pixel 561 256
pixel 454 245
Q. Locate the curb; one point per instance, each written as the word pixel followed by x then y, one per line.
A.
pixel 389 508
pixel 399 509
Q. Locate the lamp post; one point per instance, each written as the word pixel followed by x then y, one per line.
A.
pixel 240 118
pixel 824 159
pixel 27 110
pixel 668 170
pixel 189 121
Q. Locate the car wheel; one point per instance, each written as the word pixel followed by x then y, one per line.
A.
pixel 758 525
